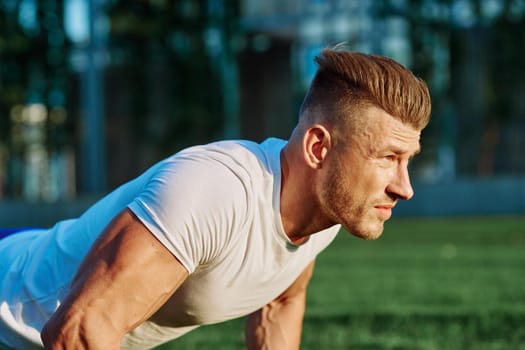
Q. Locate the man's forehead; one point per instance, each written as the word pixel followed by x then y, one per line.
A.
pixel 381 123
pixel 405 140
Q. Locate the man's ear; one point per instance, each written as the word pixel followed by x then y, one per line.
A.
pixel 317 142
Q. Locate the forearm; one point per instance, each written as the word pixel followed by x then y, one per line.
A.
pixel 125 278
pixel 93 316
pixel 277 325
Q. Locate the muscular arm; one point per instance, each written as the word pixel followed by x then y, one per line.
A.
pixel 278 325
pixel 126 276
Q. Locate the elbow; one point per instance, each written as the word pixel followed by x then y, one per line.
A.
pixel 49 335
pixel 57 334
pixel 68 332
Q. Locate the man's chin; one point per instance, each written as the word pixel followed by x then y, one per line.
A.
pixel 366 233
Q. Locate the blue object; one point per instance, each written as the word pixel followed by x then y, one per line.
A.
pixel 4 232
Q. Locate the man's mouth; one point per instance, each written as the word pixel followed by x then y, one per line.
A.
pixel 385 210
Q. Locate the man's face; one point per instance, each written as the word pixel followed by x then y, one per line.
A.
pixel 367 174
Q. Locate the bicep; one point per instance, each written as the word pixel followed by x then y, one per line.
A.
pixel 126 276
pixel 191 207
pixel 298 288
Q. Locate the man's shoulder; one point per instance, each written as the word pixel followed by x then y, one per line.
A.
pixel 239 147
pixel 236 154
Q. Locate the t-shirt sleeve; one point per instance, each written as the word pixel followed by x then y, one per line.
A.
pixel 192 207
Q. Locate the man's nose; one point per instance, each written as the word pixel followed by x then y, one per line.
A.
pixel 400 185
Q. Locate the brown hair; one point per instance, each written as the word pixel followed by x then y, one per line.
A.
pixel 347 81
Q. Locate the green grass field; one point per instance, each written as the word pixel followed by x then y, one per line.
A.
pixel 425 284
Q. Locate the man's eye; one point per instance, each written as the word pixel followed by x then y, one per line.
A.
pixel 391 157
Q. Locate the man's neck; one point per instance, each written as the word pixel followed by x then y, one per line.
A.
pixel 300 212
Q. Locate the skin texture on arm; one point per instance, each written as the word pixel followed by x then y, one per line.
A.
pixel 126 276
pixel 278 325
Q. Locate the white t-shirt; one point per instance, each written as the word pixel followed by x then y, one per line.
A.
pixel 215 207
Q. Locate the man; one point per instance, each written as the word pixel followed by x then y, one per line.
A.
pixel 223 230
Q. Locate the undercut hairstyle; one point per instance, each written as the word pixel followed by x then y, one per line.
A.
pixel 347 81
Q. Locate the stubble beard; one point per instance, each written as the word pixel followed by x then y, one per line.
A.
pixel 356 216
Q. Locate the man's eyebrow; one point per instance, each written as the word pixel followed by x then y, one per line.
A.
pixel 398 150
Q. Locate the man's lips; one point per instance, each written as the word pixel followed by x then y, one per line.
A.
pixel 385 210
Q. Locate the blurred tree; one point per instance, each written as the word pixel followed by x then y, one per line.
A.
pixel 33 69
pixel 168 85
pixel 470 52
pixel 170 78
pixel 14 46
pixel 487 60
pixel 505 120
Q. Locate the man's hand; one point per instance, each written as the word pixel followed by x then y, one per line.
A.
pixel 126 276
pixel 279 324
